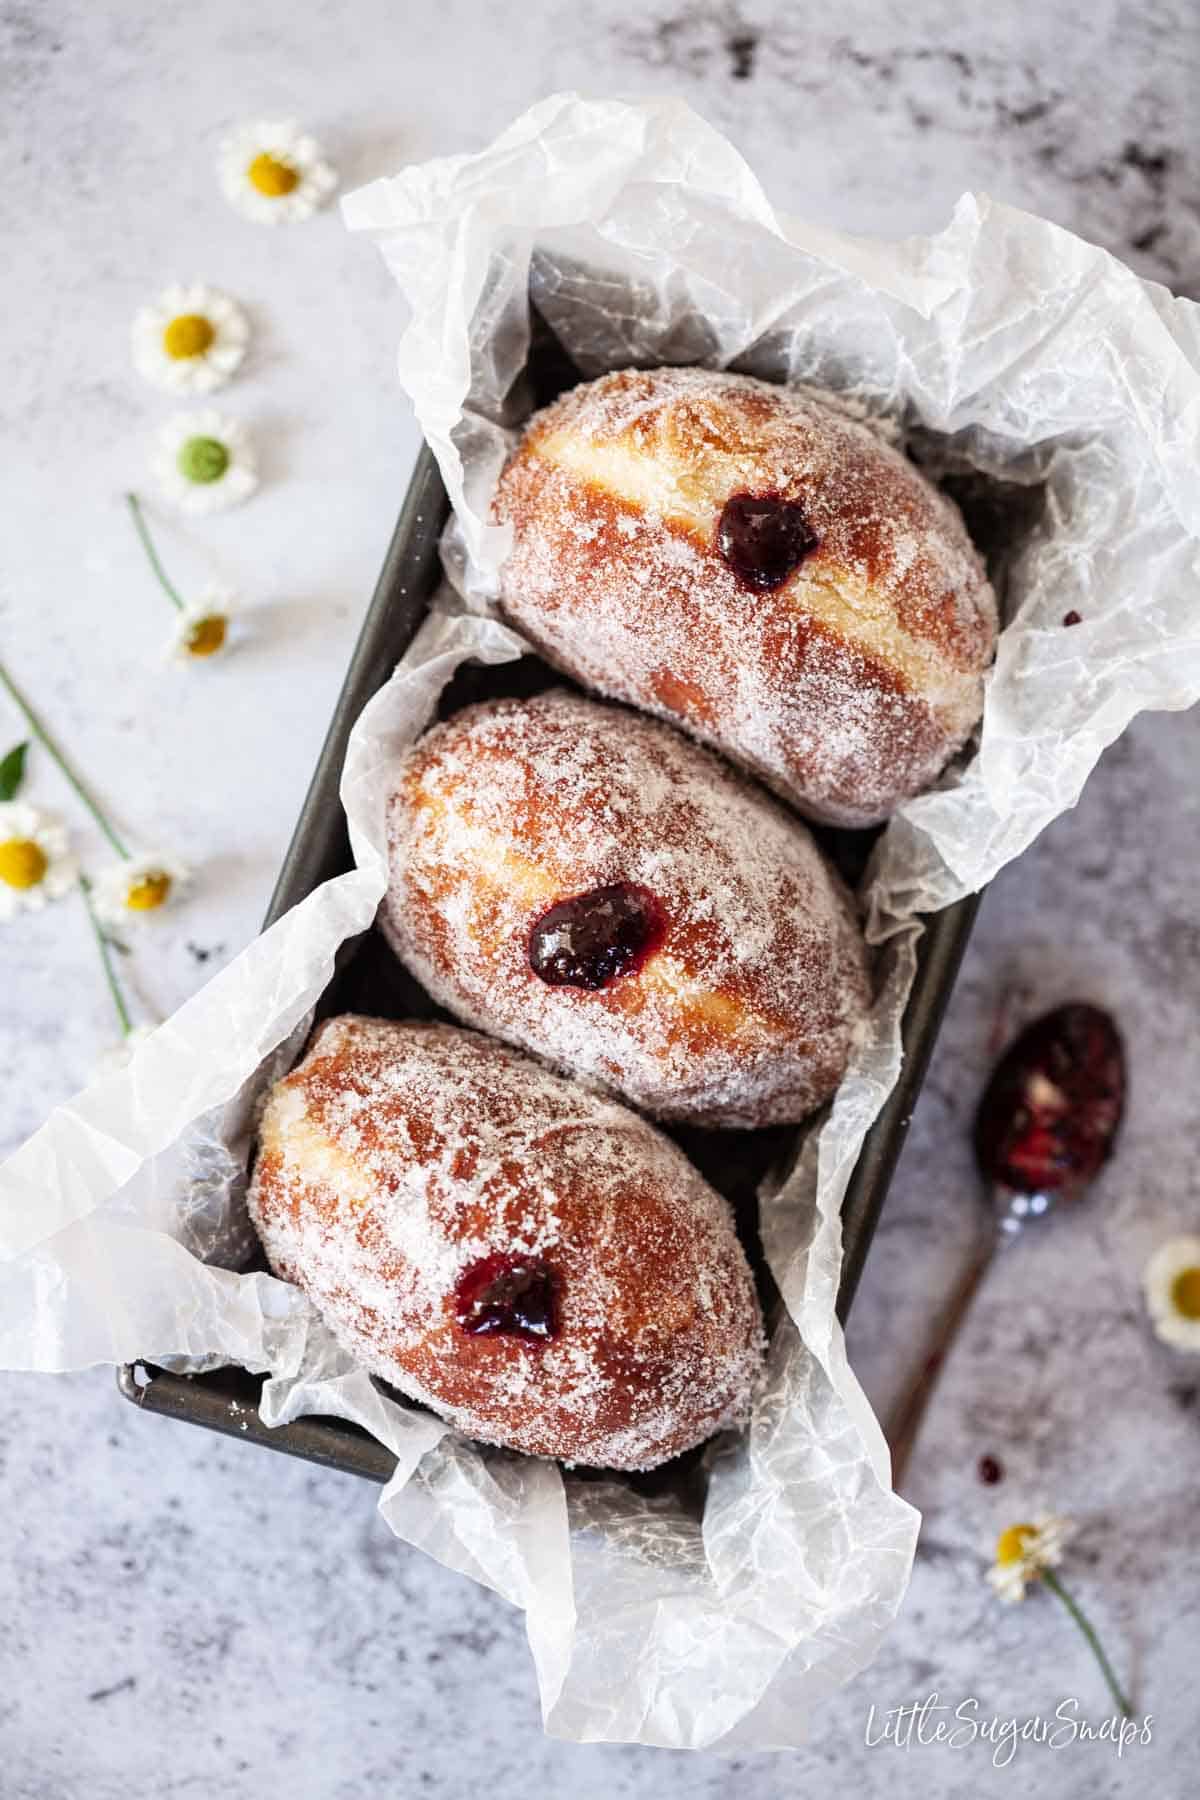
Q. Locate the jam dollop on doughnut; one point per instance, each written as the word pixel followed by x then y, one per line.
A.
pixel 512 1294
pixel 535 1263
pixel 648 506
pixel 593 886
pixel 593 939
pixel 764 538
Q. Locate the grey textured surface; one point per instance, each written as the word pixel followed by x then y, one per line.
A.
pixel 185 1616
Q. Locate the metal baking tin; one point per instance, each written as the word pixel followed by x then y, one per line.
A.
pixel 367 980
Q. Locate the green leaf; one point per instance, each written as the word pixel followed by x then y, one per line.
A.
pixel 12 771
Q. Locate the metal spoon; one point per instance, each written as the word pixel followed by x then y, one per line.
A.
pixel 1044 1129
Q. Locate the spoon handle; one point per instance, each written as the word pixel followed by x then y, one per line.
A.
pixel 907 1418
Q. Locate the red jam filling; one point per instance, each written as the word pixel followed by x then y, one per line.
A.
pixel 1051 1110
pixel 509 1296
pixel 763 538
pixel 595 938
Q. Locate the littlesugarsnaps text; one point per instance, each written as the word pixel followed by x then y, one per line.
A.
pixel 934 1721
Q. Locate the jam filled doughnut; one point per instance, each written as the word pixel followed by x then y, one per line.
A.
pixel 535 1263
pixel 586 882
pixel 758 566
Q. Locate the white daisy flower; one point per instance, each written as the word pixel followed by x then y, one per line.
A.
pixel 1171 1282
pixel 1024 1551
pixel 191 340
pixel 273 173
pixel 119 1055
pixel 203 627
pixel 133 890
pixel 35 860
pixel 205 462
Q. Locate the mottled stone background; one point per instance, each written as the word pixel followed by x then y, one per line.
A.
pixel 182 1616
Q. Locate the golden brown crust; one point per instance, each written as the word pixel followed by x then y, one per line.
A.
pixel 850 685
pixel 743 1012
pixel 396 1156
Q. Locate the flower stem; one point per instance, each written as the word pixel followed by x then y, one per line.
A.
pixel 140 526
pixel 47 742
pixel 110 974
pixel 1056 1587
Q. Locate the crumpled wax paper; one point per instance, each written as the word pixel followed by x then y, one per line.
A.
pixel 1016 350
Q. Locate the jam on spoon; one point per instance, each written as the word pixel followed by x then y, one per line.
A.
pixel 1050 1112
pixel 1044 1129
pixel 763 538
pixel 593 939
pixel 508 1296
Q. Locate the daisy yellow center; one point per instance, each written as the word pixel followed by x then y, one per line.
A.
pixel 1012 1544
pixel 203 459
pixel 188 335
pixel 206 636
pixel 1185 1289
pixel 271 176
pixel 148 892
pixel 22 863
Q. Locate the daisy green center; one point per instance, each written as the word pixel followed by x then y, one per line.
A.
pixel 1185 1289
pixel 1012 1544
pixel 189 335
pixel 204 637
pixel 271 176
pixel 23 863
pixel 148 892
pixel 202 459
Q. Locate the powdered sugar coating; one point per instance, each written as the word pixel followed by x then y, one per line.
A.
pixel 394 1156
pixel 743 1011
pixel 848 687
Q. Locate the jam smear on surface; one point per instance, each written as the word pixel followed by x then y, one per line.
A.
pixel 510 1296
pixel 1050 1112
pixel 763 538
pixel 592 939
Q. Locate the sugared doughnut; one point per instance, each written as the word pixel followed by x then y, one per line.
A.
pixel 586 882
pixel 752 562
pixel 535 1263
